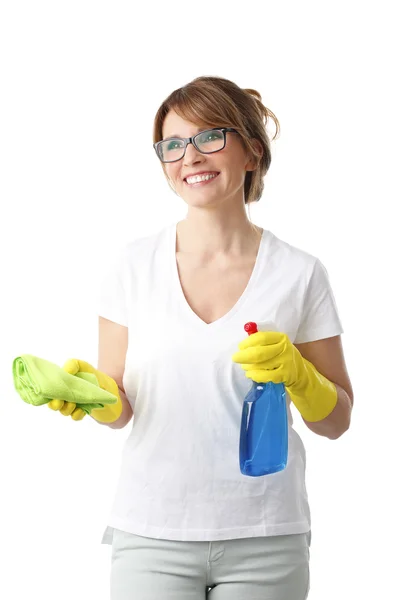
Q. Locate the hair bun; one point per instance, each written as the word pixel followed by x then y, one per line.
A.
pixel 253 93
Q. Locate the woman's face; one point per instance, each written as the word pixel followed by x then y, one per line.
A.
pixel 230 164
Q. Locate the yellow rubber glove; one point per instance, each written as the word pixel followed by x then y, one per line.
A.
pixel 108 414
pixel 271 356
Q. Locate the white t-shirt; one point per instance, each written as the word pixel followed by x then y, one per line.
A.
pixel 180 477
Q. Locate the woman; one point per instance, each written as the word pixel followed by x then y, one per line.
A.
pixel 186 523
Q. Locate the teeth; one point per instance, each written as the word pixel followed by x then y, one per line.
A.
pixel 199 178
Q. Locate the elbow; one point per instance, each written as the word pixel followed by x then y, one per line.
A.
pixel 121 422
pixel 337 433
pixel 126 415
pixel 343 417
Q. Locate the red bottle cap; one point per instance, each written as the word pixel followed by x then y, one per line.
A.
pixel 251 327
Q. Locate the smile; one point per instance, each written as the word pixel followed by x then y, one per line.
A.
pixel 200 179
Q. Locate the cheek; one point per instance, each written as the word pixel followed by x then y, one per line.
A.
pixel 172 172
pixel 232 164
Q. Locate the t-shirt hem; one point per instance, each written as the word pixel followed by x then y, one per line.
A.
pixel 112 316
pixel 319 334
pixel 204 535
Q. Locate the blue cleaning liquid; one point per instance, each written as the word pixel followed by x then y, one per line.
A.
pixel 263 448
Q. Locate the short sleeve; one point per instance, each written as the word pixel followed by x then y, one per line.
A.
pixel 111 298
pixel 320 317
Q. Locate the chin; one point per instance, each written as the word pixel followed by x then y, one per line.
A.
pixel 201 202
pixel 200 197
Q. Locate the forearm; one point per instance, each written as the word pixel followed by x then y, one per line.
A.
pixel 125 416
pixel 338 421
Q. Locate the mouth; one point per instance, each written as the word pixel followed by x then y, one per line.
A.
pixel 214 174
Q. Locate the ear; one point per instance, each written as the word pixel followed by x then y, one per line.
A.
pixel 254 162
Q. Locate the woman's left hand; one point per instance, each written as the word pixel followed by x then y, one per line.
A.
pixel 270 356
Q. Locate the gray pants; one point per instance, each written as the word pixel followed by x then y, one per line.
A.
pixel 261 568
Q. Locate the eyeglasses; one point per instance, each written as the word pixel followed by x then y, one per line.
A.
pixel 206 142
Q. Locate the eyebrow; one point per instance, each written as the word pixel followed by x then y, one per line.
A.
pixel 175 135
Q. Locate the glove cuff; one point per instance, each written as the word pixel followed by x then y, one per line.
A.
pixel 314 395
pixel 110 412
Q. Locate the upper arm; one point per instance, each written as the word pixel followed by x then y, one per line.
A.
pixel 113 345
pixel 327 357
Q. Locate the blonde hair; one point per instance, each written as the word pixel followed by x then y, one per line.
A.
pixel 218 102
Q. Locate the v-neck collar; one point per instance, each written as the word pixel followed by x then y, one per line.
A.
pixel 180 296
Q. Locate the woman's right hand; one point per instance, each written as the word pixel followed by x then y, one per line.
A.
pixel 68 409
pixel 108 413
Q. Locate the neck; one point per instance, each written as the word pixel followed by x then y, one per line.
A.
pixel 209 235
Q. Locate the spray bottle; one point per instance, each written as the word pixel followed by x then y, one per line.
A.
pixel 264 427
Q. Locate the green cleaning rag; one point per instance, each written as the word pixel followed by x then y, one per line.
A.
pixel 38 381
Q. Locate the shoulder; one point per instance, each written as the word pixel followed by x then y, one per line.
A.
pixel 149 241
pixel 141 249
pixel 289 257
pixel 127 261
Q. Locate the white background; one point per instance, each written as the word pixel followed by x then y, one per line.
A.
pixel 81 82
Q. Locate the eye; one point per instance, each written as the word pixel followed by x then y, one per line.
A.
pixel 173 144
pixel 209 136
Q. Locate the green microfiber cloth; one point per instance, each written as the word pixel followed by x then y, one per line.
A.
pixel 38 381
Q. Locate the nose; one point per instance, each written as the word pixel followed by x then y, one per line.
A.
pixel 192 155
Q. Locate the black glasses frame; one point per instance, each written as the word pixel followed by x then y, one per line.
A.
pixel 192 140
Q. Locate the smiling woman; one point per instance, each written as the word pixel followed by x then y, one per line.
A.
pixel 215 102
pixel 184 294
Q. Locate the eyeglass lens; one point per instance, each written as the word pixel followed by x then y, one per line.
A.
pixel 207 142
